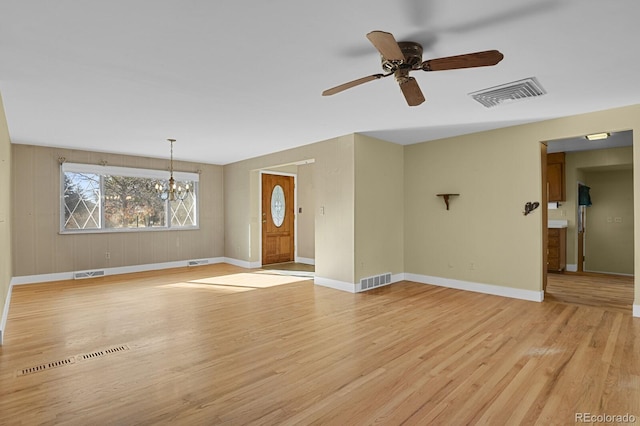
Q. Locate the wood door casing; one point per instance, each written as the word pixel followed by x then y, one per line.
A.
pixel 544 215
pixel 277 241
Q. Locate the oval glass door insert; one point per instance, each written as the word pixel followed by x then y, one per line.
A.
pixel 277 205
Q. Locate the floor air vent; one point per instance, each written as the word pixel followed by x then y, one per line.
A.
pixel 46 366
pixel 72 360
pixel 101 353
pixel 375 281
pixel 197 262
pixel 509 92
pixel 88 274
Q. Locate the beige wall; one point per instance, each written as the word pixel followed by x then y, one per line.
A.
pixel 495 172
pixel 333 177
pixel 576 163
pixel 609 236
pixel 39 248
pixel 379 207
pixel 306 219
pixel 6 271
pixel 483 237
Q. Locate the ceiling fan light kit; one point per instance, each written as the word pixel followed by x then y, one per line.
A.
pixel 401 58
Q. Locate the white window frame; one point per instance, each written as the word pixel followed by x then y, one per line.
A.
pixel 126 172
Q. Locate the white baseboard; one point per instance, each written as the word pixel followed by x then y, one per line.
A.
pixel 242 263
pixel 35 279
pixel 351 287
pixel 636 310
pixel 42 278
pixel 398 277
pixel 5 314
pixel 335 284
pixel 572 267
pixel 496 290
pixel 609 273
pixel 305 260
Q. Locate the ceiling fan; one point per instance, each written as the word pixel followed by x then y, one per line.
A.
pixel 400 58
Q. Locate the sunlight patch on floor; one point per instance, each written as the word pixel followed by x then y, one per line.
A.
pixel 238 282
pixel 250 280
pixel 210 287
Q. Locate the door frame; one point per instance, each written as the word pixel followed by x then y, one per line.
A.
pixel 295 210
pixel 580 236
pixel 544 217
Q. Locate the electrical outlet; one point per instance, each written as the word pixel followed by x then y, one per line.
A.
pixel 107 255
pixel 618 220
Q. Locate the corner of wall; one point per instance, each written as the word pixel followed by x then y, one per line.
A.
pixel 5 314
pixel 6 259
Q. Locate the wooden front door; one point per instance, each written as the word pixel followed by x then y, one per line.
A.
pixel 277 219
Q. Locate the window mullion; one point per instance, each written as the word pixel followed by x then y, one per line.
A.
pixel 101 198
pixel 167 213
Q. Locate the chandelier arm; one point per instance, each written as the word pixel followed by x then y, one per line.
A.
pixel 171 192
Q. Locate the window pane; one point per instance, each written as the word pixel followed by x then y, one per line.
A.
pixel 183 212
pixel 81 201
pixel 131 202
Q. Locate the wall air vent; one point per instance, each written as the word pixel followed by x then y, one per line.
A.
pixel 509 92
pixel 197 262
pixel 375 281
pixel 88 274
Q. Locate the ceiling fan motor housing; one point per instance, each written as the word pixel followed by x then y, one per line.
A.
pixel 412 52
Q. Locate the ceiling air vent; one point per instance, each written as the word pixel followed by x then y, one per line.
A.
pixel 509 92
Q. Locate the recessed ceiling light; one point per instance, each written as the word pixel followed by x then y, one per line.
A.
pixel 597 136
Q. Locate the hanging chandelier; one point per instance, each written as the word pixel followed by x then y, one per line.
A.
pixel 169 190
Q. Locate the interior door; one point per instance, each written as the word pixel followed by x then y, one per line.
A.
pixel 277 219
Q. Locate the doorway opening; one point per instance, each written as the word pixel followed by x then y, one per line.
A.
pixel 285 216
pixel 594 218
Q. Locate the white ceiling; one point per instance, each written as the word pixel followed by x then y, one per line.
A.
pixel 232 80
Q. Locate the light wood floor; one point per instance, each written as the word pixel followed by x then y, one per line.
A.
pixel 290 266
pixel 218 345
pixel 591 289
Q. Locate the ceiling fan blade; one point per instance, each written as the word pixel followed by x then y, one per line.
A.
pixel 412 92
pixel 351 84
pixel 386 45
pixel 470 60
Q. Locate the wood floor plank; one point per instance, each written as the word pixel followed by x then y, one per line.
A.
pixel 219 344
pixel 591 289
